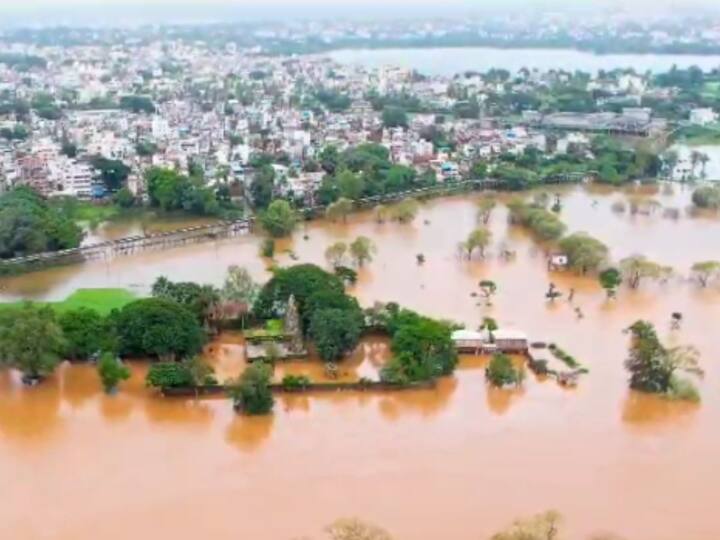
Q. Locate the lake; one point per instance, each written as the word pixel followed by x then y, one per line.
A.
pixel 450 61
pixel 458 462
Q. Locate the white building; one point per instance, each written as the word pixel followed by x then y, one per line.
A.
pixel 703 117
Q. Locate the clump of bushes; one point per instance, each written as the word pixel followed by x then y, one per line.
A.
pixel 251 392
pixel 422 347
pixel 501 372
pixel 188 373
pixel 111 372
pixel 563 356
pixel 295 382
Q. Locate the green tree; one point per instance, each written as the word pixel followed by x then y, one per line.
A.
pixel 169 375
pixel 86 333
pixel 350 185
pixel 405 211
pixel 486 205
pixel 361 250
pixel 239 286
pixel 201 300
pixel 393 117
pixel 706 271
pixel 124 198
pixel 638 267
pixel 585 253
pixel 335 332
pixel 113 173
pixel 340 209
pixel 251 392
pixel 653 367
pixel 610 279
pixel 262 187
pixel 335 254
pixel 488 289
pixel 279 219
pixel 111 372
pixel 31 341
pixel 422 348
pixel 478 239
pixel 157 327
pixel 501 372
pixel 28 225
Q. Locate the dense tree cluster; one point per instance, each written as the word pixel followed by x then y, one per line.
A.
pixel 137 104
pixel 28 224
pixel 159 328
pixel 332 319
pixel 171 191
pixel 653 366
pixel 422 347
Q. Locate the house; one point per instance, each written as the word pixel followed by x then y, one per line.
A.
pixel 703 117
pixel 484 342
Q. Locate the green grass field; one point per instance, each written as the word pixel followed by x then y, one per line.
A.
pixel 101 300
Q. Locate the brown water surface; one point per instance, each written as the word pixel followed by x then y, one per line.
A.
pixel 458 462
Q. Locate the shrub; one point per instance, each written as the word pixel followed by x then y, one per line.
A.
pixel 501 371
pixel 267 248
pixel 169 375
pixel 111 371
pixel 683 390
pixel 295 382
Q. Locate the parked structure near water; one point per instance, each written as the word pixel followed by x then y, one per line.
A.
pixel 499 341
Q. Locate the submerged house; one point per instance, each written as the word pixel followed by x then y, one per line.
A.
pixel 484 342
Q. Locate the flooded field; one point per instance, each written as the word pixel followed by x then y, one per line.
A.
pixel 457 462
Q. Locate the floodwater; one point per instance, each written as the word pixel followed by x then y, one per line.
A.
pixel 450 61
pixel 457 462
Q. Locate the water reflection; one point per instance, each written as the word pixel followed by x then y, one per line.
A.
pixel 248 433
pixel 29 414
pixel 644 412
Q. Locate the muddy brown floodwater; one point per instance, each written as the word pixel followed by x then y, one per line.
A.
pixel 458 462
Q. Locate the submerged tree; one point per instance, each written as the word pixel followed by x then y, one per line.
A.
pixel 111 372
pixel 610 279
pixel 491 326
pixel 638 267
pixel 251 392
pixel 354 529
pixel 486 205
pixel 501 371
pixel 335 254
pixel 405 211
pixel 339 210
pixel 31 341
pixel 361 250
pixel 488 289
pixel 381 213
pixel 706 271
pixel 544 526
pixel 653 367
pixel 585 253
pixel 478 239
pixel 279 219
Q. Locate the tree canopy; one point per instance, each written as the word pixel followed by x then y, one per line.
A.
pixel 31 341
pixel 157 327
pixel 28 224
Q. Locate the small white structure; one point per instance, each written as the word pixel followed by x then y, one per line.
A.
pixel 703 117
pixel 504 340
